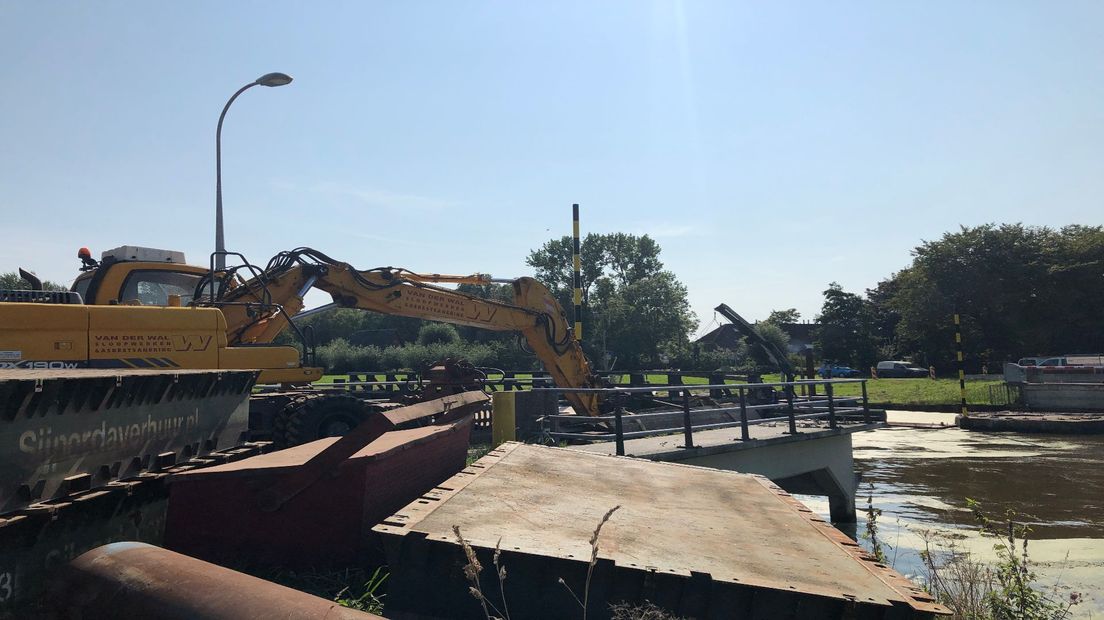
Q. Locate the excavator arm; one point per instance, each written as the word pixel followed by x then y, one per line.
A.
pixel 259 309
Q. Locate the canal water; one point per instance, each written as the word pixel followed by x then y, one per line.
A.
pixel 921 478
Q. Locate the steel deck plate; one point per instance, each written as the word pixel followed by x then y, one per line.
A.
pixel 673 519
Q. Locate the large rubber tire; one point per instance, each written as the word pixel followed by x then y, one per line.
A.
pixel 314 416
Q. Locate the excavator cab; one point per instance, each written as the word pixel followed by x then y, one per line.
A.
pixel 134 275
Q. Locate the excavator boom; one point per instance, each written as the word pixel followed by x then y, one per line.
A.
pixel 258 310
pixel 146 308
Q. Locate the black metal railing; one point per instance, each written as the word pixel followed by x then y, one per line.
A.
pixel 518 380
pixel 783 397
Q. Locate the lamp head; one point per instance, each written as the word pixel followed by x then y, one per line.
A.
pixel 274 79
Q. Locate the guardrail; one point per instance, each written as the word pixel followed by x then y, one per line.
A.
pixel 516 380
pixel 829 406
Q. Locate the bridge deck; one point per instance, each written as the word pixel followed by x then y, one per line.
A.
pixel 670 447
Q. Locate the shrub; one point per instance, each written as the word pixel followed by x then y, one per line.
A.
pixel 340 356
pixel 391 358
pixel 438 333
pixel 706 359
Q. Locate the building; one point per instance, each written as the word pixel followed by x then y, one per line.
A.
pixel 726 336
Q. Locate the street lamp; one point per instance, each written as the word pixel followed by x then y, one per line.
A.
pixel 270 80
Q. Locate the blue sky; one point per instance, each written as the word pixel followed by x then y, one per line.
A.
pixel 770 148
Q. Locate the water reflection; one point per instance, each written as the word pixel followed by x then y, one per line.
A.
pixel 920 479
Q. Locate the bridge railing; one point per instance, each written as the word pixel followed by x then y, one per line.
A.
pixel 384 384
pixel 827 406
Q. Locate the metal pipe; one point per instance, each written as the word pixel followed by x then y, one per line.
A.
pixel 268 79
pixel 302 292
pixel 136 580
pixel 576 263
pixel 831 408
pixel 865 404
pixel 687 429
pixel 790 411
pixel 313 311
pixel 744 434
pixel 619 429
pixel 961 362
pixel 220 245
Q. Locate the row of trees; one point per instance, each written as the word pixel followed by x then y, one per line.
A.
pixel 1019 291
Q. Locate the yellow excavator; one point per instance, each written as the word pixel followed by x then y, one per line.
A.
pixel 141 307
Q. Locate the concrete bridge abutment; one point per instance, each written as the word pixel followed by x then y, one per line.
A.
pixel 817 465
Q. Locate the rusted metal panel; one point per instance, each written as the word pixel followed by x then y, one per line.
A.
pixel 314 504
pixel 37 539
pixel 697 541
pixel 136 580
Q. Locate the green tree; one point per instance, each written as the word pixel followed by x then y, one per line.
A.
pixel 12 280
pixel 884 317
pixel 1019 290
pixel 643 321
pixel 1075 291
pixel 778 317
pixel 845 333
pixel 553 265
pixel 633 308
pixel 773 334
pixel 995 277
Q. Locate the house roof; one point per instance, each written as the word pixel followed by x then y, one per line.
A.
pixel 726 336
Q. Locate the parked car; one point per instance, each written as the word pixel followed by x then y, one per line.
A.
pixel 899 369
pixel 1069 359
pixel 838 372
pixel 1084 359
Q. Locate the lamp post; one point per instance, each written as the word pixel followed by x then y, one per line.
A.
pixel 270 80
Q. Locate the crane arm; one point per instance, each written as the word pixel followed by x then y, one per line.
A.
pixel 772 352
pixel 534 313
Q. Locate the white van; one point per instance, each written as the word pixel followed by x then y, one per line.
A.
pixel 899 369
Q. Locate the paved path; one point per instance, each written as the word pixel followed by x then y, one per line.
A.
pixel 934 419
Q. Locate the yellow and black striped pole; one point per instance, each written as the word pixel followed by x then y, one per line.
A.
pixel 961 368
pixel 577 264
